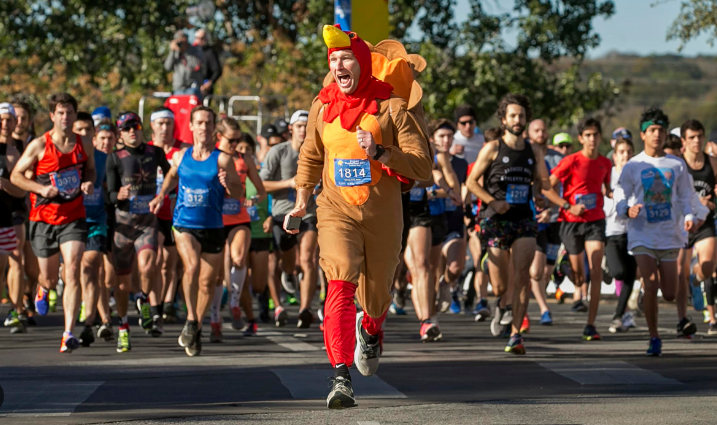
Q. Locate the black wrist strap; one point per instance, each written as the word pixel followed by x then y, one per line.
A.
pixel 379 151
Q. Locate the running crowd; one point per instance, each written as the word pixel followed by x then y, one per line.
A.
pixel 97 215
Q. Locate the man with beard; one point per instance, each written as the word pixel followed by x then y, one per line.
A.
pixel 510 168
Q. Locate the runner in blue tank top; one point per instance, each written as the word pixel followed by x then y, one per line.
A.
pixel 203 175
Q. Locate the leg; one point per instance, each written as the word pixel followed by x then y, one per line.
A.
pixel 454 253
pixel 189 250
pixel 209 268
pixel 15 272
pixel 417 258
pixel 537 268
pixel 90 280
pixel 522 253
pixel 648 269
pixel 595 251
pixel 683 282
pixel 72 256
pixel 307 248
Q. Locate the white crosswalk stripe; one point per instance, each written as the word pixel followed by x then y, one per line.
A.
pixel 45 398
pixel 312 384
pixel 606 373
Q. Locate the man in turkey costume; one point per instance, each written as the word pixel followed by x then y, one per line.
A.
pixel 367 139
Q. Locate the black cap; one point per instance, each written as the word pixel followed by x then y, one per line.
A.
pixel 281 125
pixel 268 130
pixel 463 111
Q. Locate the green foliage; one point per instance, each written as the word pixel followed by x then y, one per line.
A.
pixel 696 17
pixel 112 51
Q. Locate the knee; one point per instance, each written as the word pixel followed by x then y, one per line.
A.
pixel 455 267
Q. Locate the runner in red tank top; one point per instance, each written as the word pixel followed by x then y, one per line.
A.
pixel 162 120
pixel 237 228
pixel 64 170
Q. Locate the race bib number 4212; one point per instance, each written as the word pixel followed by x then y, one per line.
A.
pixel 352 172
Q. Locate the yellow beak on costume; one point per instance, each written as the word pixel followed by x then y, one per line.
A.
pixel 335 38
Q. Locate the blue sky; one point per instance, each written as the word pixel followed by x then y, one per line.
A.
pixel 636 27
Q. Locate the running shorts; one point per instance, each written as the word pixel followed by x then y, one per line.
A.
pixel 262 245
pixel 659 255
pixel 574 235
pixel 285 241
pixel 165 227
pixel 439 230
pixel 133 233
pixel 47 238
pixel 8 240
pixel 211 240
pixel 706 231
pixel 97 238
pixel 229 227
pixel 502 234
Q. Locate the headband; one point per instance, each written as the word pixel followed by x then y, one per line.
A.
pixel 105 127
pixel 646 124
pixel 446 126
pixel 6 108
pixel 161 114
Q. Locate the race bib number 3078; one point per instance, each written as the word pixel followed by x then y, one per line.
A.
pixel 352 172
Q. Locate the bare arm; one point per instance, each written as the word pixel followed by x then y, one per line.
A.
pixel 485 157
pixel 24 168
pixel 11 159
pixel 253 175
pixel 232 181
pixel 171 179
pixel 89 170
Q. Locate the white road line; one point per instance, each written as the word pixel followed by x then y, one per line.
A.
pixel 606 373
pixel 292 343
pixel 45 398
pixel 312 384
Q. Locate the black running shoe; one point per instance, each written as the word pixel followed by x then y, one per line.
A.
pixel 341 395
pixel 579 307
pixel 169 313
pixel 186 338
pixel 157 327
pixel 686 328
pixel 196 348
pixel 87 336
pixel 305 319
pixel 105 332
pixel 263 301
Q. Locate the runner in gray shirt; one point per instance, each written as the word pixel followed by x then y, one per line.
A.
pixel 277 173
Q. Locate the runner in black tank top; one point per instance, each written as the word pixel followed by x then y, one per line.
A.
pixel 509 168
pixel 703 240
pixel 510 178
pixel 9 242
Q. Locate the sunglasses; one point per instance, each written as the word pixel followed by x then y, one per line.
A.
pixel 564 146
pixel 234 141
pixel 131 126
pixel 466 122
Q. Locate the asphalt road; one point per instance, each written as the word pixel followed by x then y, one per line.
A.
pixel 281 377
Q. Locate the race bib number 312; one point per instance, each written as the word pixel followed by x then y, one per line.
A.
pixel 196 198
pixel 352 172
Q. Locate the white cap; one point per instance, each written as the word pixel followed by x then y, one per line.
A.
pixel 676 131
pixel 300 115
pixel 6 108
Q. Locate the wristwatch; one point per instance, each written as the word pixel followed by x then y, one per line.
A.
pixel 566 206
pixel 379 151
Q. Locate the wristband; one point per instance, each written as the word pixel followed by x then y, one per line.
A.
pixel 379 151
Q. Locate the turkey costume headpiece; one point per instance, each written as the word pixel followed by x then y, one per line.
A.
pixel 348 107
